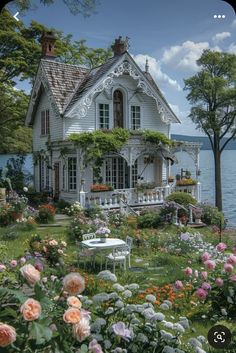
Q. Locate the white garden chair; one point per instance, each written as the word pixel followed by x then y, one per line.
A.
pixel 118 256
pixel 88 236
pixel 86 255
pixel 129 243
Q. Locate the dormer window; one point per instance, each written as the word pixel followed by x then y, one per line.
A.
pixel 103 116
pixel 118 112
pixel 44 122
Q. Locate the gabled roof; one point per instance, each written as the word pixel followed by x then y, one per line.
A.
pixel 63 80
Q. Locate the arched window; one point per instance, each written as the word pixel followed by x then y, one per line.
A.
pixel 118 113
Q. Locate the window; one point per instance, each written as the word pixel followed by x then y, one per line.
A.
pixel 135 174
pixel 47 178
pixel 117 172
pixel 64 177
pixel 118 109
pixel 44 122
pixel 104 116
pixel 135 117
pixel 72 173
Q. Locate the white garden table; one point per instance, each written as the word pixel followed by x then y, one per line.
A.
pixel 96 243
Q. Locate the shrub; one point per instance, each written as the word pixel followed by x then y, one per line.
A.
pixel 211 215
pixel 149 220
pixel 182 198
pixel 61 205
pixel 37 198
pixel 74 209
pixel 94 212
pixel 46 213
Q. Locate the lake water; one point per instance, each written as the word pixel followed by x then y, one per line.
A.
pixel 206 177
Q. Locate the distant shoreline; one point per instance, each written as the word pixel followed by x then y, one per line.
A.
pixel 204 140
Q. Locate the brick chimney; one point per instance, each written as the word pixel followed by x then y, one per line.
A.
pixel 48 45
pixel 120 46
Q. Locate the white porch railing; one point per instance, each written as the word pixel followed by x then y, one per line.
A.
pixel 111 199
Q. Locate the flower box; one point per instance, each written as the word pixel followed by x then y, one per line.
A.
pixel 101 188
pixel 186 182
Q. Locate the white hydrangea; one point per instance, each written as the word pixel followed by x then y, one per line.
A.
pixel 100 298
pixel 148 313
pixel 127 293
pixel 194 342
pixel 107 276
pixel 118 287
pixel 168 324
pixel 179 328
pixel 142 338
pixel 109 311
pixel 164 306
pixel 199 350
pixel 98 337
pixel 133 286
pixel 135 321
pixel 168 302
pixel 184 322
pixel 201 339
pixel 113 295
pixel 119 304
pixel 130 308
pixel 150 298
pixel 166 335
pixel 107 344
pixel 87 303
pixel 160 316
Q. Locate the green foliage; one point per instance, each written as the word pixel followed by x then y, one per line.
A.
pixel 96 144
pixel 61 205
pixel 46 214
pixel 211 215
pixel 149 220
pixel 182 198
pixel 156 137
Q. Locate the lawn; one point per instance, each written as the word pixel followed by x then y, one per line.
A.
pixel 158 260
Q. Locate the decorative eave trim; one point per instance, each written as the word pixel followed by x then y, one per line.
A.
pixel 41 80
pixel 126 65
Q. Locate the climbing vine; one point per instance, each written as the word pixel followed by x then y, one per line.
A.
pixel 156 138
pixel 94 145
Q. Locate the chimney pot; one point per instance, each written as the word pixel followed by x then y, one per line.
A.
pixel 48 45
pixel 120 46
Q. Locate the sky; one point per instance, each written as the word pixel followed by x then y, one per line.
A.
pixel 171 34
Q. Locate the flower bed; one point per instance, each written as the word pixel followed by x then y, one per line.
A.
pixel 100 188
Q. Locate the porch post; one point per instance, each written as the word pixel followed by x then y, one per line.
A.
pixel 77 176
pixel 199 191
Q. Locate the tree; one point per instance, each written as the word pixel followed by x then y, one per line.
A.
pixel 20 54
pixel 213 96
pixel 84 7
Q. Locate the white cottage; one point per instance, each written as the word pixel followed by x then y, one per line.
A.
pixel 68 98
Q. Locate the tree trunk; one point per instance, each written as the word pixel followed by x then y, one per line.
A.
pixel 218 190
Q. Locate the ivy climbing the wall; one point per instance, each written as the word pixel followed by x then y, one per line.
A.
pixel 94 145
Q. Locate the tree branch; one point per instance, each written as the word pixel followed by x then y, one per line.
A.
pixel 227 141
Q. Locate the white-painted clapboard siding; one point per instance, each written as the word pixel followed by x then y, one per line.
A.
pixel 39 142
pixel 150 118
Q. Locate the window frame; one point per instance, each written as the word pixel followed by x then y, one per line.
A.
pixel 107 124
pixel 45 122
pixel 133 126
pixel 72 174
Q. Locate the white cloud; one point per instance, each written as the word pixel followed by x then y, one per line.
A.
pixel 233 24
pixel 160 77
pixel 184 56
pixel 232 48
pixel 219 37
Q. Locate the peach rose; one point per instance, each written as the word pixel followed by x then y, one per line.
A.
pixel 74 302
pixel 30 273
pixel 7 334
pixel 81 330
pixel 31 310
pixel 72 316
pixel 73 283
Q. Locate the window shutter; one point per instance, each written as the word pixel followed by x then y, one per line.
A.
pixel 47 122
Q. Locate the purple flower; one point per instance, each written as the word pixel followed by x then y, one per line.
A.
pixel 95 347
pixel 120 330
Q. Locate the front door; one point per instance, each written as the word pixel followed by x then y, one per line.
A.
pixel 56 180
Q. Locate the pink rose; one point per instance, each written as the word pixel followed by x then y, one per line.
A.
pixel 228 268
pixel 210 264
pixel 81 330
pixel 231 259
pixel 31 309
pixel 13 263
pixel 2 267
pixel 204 275
pixel 206 286
pixel 73 283
pixel 201 293
pixel 7 335
pixel 221 247
pixel 206 256
pixel 188 271
pixel 30 273
pixel 219 282
pixel 179 285
pixel 233 278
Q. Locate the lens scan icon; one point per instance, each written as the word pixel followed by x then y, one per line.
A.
pixel 219 336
